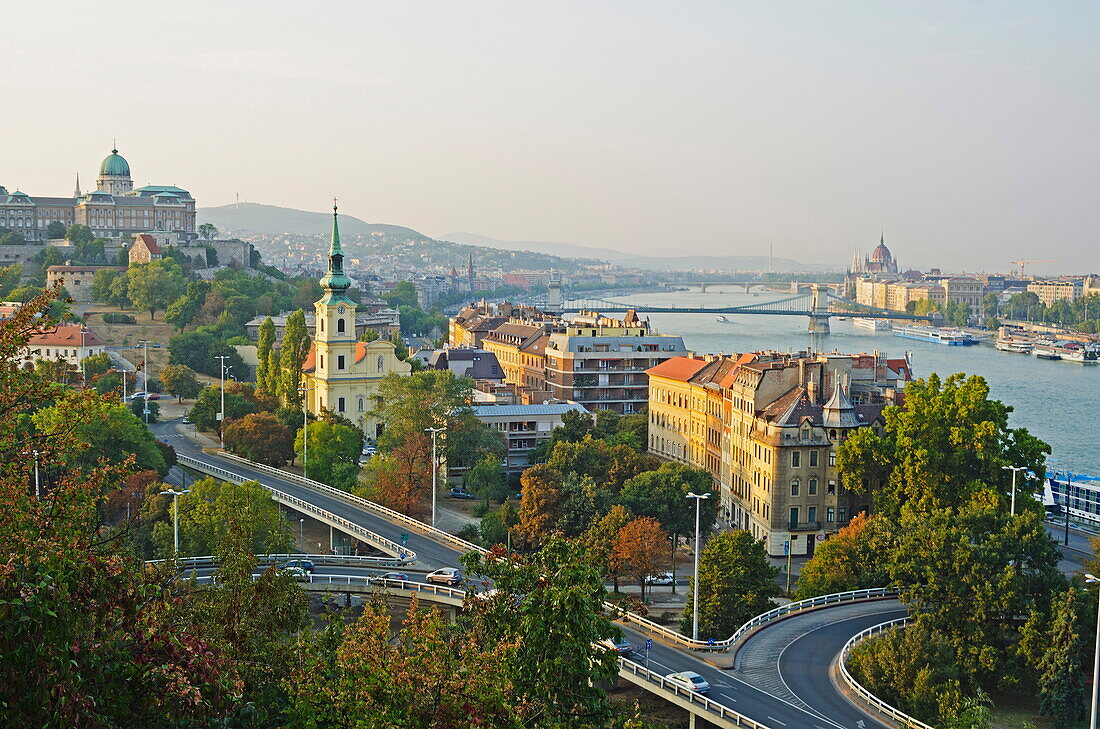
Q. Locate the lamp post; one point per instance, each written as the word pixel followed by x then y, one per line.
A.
pixel 695 587
pixel 145 369
pixel 435 464
pixel 83 357
pixel 1015 470
pixel 302 533
pixel 37 483
pixel 1093 579
pixel 305 427
pixel 176 515
pixel 221 413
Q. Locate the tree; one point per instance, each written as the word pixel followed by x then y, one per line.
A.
pixel 49 256
pixel 581 501
pixel 369 335
pixel 736 583
pixel 852 559
pixel 78 234
pixel 662 494
pixel 95 366
pixel 9 279
pixel 260 437
pixel 486 479
pixel 120 291
pixel 333 454
pixel 207 231
pixel 402 478
pixel 145 410
pixel 55 230
pixel 200 352
pixel 642 548
pixel 101 285
pixel 180 380
pixel 204 413
pixel 403 294
pixel 292 354
pixel 154 285
pixel 599 541
pixel 1061 674
pixel 540 504
pixel 181 312
pixel 265 344
pixel 610 465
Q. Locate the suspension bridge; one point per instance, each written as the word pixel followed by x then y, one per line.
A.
pixel 819 305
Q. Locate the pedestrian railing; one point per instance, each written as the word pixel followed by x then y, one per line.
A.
pixel 874 702
pixel 714 710
pixel 404 555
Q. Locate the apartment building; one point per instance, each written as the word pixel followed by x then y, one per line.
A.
pixel 767 426
pixel 523 427
pixel 520 348
pixel 602 362
pixel 72 343
pixel 1051 291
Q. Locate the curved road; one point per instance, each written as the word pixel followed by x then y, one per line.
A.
pixel 803 664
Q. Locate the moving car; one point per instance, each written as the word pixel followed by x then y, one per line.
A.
pixel 446 576
pixel 296 572
pixel 689 680
pixel 663 578
pixel 621 647
pixel 302 564
pixel 393 576
pixel 186 420
pixel 457 493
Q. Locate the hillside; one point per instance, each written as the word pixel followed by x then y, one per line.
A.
pixel 248 218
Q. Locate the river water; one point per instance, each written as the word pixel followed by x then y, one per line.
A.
pixel 1057 401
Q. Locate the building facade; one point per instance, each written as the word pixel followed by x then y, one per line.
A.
pixel 71 343
pixel 77 280
pixel 523 427
pixel 1051 291
pixel 767 426
pixel 342 374
pixel 520 348
pixel 602 362
pixel 115 209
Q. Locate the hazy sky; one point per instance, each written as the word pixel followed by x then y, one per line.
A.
pixel 968 131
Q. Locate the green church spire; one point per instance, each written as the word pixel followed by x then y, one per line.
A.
pixel 335 282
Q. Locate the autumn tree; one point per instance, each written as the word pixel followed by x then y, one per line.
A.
pixel 402 478
pixel 260 437
pixel 852 559
pixel 180 381
pixel 642 549
pixel 599 541
pixel 736 583
pixel 538 510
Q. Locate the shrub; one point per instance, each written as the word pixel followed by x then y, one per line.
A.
pixel 116 318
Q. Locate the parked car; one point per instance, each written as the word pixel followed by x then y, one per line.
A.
pixel 186 420
pixel 393 576
pixel 689 680
pixel 446 576
pixel 457 493
pixel 296 572
pixel 663 578
pixel 624 649
pixel 303 564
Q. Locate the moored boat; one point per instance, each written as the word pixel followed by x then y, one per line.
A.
pixel 875 325
pixel 936 335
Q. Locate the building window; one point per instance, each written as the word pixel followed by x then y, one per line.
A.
pixel 830 514
pixel 340 361
pixel 794 516
pixel 811 514
pixel 796 459
pixel 322 362
pixel 832 488
pixel 362 404
pixel 813 458
pixel 794 487
pixel 381 362
pixel 832 458
pixel 340 405
pixel 322 321
pixel 340 325
pixel 842 514
pixel 811 488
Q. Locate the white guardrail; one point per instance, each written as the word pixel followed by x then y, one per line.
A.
pixel 670 634
pixel 337 560
pixel 713 709
pixel 407 556
pixel 866 696
pixel 337 580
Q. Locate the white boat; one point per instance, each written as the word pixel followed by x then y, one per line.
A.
pixel 720 317
pixel 1008 344
pixel 1045 349
pixel 875 325
pixel 1088 355
pixel 950 337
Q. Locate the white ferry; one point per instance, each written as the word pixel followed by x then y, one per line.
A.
pixel 1008 344
pixel 875 325
pixel 1046 349
pixel 950 337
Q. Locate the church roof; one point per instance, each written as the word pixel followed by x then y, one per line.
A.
pixel 881 254
pixel 114 164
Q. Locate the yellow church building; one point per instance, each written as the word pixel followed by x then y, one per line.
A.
pixel 342 374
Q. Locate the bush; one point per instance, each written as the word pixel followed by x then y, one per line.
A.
pixel 115 318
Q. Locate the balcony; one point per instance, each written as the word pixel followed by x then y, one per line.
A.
pixel 803 526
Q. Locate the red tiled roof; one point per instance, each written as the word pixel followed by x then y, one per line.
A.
pixel 678 368
pixel 66 335
pixel 149 242
pixel 310 362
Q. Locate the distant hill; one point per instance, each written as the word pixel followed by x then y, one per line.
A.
pixel 652 263
pixel 274 220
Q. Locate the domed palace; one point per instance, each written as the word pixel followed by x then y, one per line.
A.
pixel 880 260
pixel 115 209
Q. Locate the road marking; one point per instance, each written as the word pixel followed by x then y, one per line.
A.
pixel 780 723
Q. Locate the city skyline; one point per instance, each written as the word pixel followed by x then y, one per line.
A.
pixel 967 136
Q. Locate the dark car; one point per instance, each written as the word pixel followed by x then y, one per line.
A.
pixel 303 564
pixel 393 576
pixel 621 647
pixel 461 494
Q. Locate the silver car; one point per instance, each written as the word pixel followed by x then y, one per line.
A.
pixel 689 680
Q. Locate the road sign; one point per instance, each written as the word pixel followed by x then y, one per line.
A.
pixel 786 547
pixel 404 539
pixel 648 643
pixel 821 537
pixel 710 641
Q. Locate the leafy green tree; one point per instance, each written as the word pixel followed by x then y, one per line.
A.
pixel 292 354
pixel 736 583
pixel 265 344
pixel 260 437
pixel 208 231
pixel 662 494
pixel 496 527
pixel 49 256
pixel 599 541
pixel 369 335
pixel 78 234
pixel 120 291
pixel 333 454
pixel 9 279
pixel 486 479
pixel 155 285
pixel 611 465
pixel 403 294
pixel 181 312
pixel 145 411
pixel 199 351
pixel 95 366
pixel 180 381
pixel 1061 675
pixel 204 413
pixel 101 284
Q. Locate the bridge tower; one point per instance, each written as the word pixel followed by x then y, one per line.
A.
pixel 819 309
pixel 553 300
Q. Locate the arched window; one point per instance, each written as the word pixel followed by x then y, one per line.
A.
pixel 340 325
pixel 322 320
pixel 794 487
pixel 362 404
pixel 381 363
pixel 340 405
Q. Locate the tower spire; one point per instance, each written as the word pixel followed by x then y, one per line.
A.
pixel 335 282
pixel 76 193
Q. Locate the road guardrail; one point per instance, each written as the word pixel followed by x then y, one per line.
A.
pixel 715 711
pixel 334 560
pixel 866 696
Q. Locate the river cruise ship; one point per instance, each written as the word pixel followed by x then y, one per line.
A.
pixel 875 325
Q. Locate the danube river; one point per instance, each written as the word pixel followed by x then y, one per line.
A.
pixel 1057 401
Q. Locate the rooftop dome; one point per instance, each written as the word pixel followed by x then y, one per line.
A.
pixel 114 164
pixel 881 254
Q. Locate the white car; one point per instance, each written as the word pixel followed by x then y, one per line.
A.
pixel 663 578
pixel 446 576
pixel 689 680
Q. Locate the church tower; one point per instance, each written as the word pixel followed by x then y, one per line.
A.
pixel 334 335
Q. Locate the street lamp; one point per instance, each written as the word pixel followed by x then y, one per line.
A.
pixel 302 532
pixel 695 589
pixel 176 514
pixel 435 464
pixel 1015 470
pixel 221 413
pixel 1092 580
pixel 145 369
pixel 305 427
pixel 37 486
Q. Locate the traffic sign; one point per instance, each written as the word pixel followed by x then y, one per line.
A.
pixel 821 537
pixel 786 547
pixel 404 539
pixel 710 641
pixel 648 643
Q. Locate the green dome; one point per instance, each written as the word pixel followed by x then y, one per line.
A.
pixel 115 164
